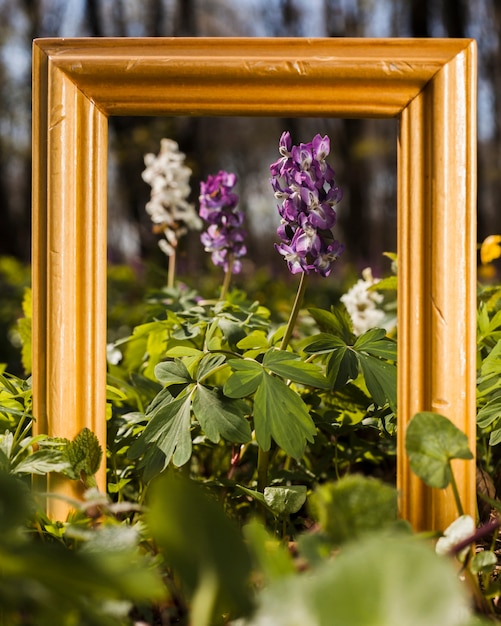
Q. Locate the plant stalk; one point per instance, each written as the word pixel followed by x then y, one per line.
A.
pixel 455 491
pixel 295 312
pixel 227 277
pixel 263 459
pixel 171 272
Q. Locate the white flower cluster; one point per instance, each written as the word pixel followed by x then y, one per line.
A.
pixel 361 304
pixel 168 207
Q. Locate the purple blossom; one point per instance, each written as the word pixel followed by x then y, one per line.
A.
pixel 225 235
pixel 304 184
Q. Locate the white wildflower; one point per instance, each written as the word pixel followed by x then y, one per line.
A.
pixel 168 207
pixel 113 354
pixel 361 304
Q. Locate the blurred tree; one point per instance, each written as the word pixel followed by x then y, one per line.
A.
pixel 361 148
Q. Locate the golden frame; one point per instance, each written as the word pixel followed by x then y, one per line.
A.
pixel 429 85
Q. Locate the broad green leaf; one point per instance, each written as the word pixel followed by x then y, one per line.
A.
pixel 375 343
pixel 323 343
pixel 492 362
pixel 201 545
pixel 4 462
pixel 354 506
pixel 42 462
pixel 342 367
pixel 187 331
pixel 257 495
pixel 489 413
pixel 156 344
pixel 431 442
pixel 487 326
pixel 388 283
pixel 273 559
pixel 220 416
pixel 172 372
pixel 291 366
pixel 169 429
pixel 378 581
pixel 245 379
pixel 6 443
pixel 176 440
pixel 180 351
pixel 164 396
pixel 483 562
pixel 495 437
pixel 253 341
pixel 482 321
pixel 208 364
pixel 232 331
pixel 380 378
pixel 371 336
pixel 281 414
pixel 84 454
pixel 337 322
pixel 285 500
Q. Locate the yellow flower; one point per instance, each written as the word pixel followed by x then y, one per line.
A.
pixel 490 249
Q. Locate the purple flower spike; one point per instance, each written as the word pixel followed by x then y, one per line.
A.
pixel 304 184
pixel 224 236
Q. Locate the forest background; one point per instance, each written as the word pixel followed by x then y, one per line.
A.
pixel 363 151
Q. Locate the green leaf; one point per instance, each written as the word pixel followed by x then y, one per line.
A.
pixel 274 561
pixel 279 412
pixel 323 343
pixel 380 378
pixel 489 413
pixel 336 322
pixel 220 416
pixel 375 343
pixel 431 442
pixel 232 331
pixel 257 495
pixel 285 500
pixel 209 364
pixel 256 340
pixel 483 562
pixel 495 437
pixel 388 283
pixel 176 438
pixel 84 454
pixel 169 429
pixel 291 366
pixel 43 462
pixel 492 362
pixel 342 367
pixel 172 372
pixel 201 545
pixel 245 379
pixel 180 351
pixel 390 581
pixel 354 506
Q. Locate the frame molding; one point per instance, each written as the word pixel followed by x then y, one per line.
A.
pixel 429 85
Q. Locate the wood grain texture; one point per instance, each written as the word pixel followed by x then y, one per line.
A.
pixel 429 85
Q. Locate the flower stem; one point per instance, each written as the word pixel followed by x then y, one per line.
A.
pixel 295 311
pixel 263 458
pixel 172 270
pixel 455 491
pixel 227 277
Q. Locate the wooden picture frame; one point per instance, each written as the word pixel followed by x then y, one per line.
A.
pixel 429 85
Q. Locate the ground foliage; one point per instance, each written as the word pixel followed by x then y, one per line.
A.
pixel 199 392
